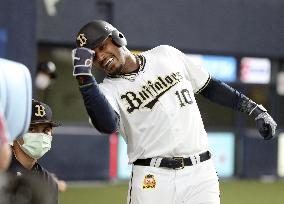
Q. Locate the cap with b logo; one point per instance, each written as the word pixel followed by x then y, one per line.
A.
pixel 41 113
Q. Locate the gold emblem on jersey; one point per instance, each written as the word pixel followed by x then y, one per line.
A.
pixel 149 182
pixel 82 39
pixel 40 111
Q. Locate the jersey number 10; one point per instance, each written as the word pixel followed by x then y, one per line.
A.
pixel 184 97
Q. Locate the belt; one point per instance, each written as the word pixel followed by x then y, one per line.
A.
pixel 174 162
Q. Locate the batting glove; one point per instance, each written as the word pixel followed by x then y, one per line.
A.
pixel 82 61
pixel 265 123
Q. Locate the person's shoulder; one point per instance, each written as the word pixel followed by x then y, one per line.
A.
pixel 109 84
pixel 42 170
pixel 15 166
pixel 161 49
pixel 46 174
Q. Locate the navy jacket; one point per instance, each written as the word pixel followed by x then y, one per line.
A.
pixel 18 169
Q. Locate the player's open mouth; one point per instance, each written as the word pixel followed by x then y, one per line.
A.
pixel 109 62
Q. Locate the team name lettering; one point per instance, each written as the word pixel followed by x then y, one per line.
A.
pixel 150 93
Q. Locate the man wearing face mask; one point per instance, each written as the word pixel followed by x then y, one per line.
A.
pixel 33 145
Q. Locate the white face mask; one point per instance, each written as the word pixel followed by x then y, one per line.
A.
pixel 42 81
pixel 36 144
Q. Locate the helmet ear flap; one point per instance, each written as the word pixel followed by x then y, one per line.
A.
pixel 118 38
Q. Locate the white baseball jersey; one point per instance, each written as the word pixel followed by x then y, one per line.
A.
pixel 159 116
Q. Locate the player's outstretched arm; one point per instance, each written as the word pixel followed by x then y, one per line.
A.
pixel 102 115
pixel 221 93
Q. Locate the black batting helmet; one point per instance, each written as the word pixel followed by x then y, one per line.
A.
pixel 95 32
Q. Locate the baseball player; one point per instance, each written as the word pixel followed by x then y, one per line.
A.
pixel 150 99
pixel 33 145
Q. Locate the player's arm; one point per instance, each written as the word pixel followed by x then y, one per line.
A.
pixel 102 115
pixel 221 93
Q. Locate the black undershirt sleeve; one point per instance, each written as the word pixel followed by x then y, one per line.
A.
pixel 103 116
pixel 222 94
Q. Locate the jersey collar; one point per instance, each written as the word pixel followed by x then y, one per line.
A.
pixel 131 76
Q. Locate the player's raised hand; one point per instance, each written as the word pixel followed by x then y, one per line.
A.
pixel 265 123
pixel 82 61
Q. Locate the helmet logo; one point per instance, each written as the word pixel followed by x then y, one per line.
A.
pixel 82 39
pixel 40 111
pixel 109 28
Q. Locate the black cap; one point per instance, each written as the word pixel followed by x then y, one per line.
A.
pixel 93 34
pixel 41 113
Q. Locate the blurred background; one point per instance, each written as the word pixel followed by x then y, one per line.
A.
pixel 240 42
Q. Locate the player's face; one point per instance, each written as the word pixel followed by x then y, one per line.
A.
pixel 38 128
pixel 109 58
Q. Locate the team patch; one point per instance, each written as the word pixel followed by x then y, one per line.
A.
pixel 149 182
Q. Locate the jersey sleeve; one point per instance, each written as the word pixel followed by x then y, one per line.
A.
pixel 198 76
pixel 110 97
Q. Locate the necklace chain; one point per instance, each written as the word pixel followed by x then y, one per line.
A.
pixel 138 60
